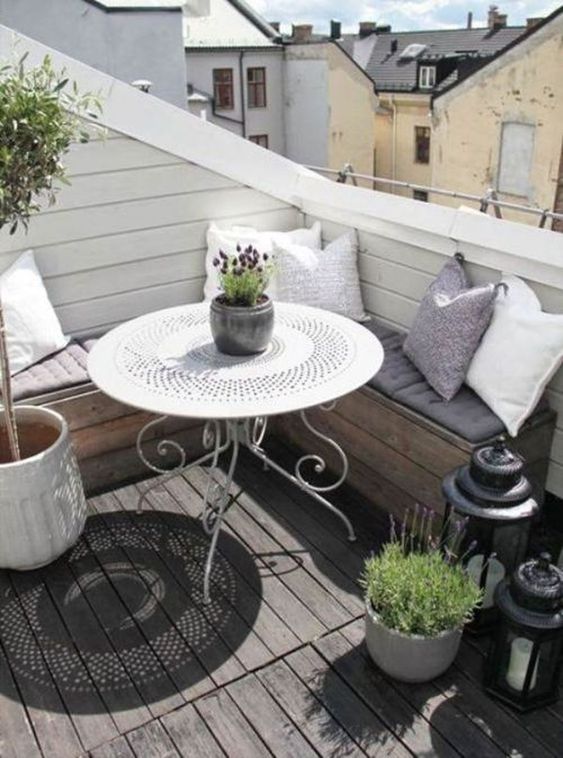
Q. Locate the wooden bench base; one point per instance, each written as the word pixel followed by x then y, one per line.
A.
pixel 104 434
pixel 397 457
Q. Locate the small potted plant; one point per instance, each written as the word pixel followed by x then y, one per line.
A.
pixel 242 316
pixel 418 599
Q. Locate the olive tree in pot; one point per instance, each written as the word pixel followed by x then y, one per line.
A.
pixel 418 599
pixel 42 504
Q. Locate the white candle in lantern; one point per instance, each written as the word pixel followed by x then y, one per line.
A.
pixel 495 574
pixel 520 654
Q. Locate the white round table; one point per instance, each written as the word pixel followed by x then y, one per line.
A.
pixel 167 363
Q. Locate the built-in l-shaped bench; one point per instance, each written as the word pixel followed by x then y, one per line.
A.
pixel 400 436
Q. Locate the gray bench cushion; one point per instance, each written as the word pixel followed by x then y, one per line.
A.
pixel 60 371
pixel 466 415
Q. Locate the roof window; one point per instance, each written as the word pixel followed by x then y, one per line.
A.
pixel 412 52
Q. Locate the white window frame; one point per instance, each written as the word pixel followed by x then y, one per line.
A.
pixel 427 77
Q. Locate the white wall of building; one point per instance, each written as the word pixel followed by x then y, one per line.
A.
pixel 268 120
pixel 128 45
pixel 217 23
pixel 307 113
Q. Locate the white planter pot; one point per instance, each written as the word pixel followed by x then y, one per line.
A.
pixel 42 503
pixel 409 658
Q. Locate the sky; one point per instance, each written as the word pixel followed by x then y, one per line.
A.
pixel 401 14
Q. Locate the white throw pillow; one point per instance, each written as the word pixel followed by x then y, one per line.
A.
pixel 518 355
pixel 32 328
pixel 227 241
pixel 326 278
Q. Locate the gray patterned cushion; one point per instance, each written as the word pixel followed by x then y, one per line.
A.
pixel 326 278
pixel 447 329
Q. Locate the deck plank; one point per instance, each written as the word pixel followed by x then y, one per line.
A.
pixel 277 730
pixel 52 725
pixel 398 715
pixel 91 719
pixel 217 659
pixel 190 734
pixel 363 725
pixel 152 741
pixel 287 568
pixel 303 708
pixel 292 612
pixel 230 727
pixel 290 677
pixel 436 708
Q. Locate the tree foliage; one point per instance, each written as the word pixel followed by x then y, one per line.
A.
pixel 41 114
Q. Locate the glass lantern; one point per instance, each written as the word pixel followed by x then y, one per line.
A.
pixel 524 664
pixel 489 511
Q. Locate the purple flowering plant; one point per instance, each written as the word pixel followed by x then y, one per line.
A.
pixel 417 584
pixel 244 277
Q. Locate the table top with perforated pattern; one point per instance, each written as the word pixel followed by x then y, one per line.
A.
pixel 167 363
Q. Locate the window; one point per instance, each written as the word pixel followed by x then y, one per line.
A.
pixel 515 162
pixel 427 77
pixel 223 91
pixel 422 144
pixel 259 139
pixel 256 80
pixel 421 195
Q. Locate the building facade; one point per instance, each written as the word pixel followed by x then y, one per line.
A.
pixel 301 96
pixel 502 127
pixel 128 39
pixel 408 69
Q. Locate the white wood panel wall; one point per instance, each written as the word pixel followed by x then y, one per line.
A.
pixel 395 274
pixel 128 235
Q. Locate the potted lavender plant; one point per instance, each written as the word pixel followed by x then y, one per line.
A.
pixel 418 599
pixel 242 316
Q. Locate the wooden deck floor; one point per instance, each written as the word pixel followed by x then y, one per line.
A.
pixel 110 651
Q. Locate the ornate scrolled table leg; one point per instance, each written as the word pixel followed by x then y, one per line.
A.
pixel 212 442
pixel 255 433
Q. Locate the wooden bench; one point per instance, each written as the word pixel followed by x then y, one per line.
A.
pixel 104 434
pixel 397 456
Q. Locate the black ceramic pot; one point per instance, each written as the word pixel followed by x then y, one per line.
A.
pixel 239 330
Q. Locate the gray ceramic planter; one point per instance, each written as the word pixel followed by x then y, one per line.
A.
pixel 241 330
pixel 409 658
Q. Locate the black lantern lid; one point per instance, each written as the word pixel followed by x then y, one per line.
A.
pixel 538 586
pixel 534 594
pixel 494 480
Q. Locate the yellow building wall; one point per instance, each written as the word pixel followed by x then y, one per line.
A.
pixel 351 137
pixel 525 85
pixel 395 123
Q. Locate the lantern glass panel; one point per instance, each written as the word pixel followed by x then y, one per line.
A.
pixel 513 660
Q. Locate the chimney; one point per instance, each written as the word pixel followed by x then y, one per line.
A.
pixel 301 32
pixel 534 21
pixel 470 20
pixel 394 45
pixel 383 28
pixel 367 28
pixel 275 25
pixel 335 29
pixel 496 20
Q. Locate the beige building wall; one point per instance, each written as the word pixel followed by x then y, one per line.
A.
pixel 330 106
pixel 523 86
pixel 353 102
pixel 398 115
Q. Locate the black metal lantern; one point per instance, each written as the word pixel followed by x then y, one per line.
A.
pixel 489 510
pixel 524 663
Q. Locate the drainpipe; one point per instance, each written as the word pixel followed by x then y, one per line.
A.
pixel 242 107
pixel 394 150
